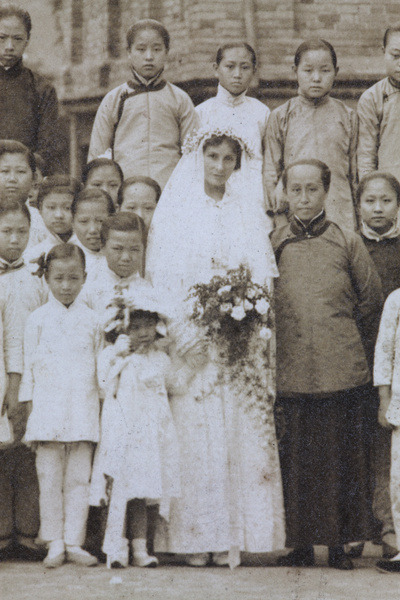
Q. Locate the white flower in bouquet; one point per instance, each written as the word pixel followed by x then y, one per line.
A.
pixel 248 306
pixel 262 306
pixel 238 313
pixel 225 288
pixel 265 333
pixel 251 293
pixel 226 307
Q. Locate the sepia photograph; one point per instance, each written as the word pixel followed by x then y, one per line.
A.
pixel 199 299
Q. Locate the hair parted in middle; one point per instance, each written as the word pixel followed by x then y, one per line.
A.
pixel 314 162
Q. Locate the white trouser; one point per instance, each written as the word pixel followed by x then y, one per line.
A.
pixel 63 471
pixel 395 482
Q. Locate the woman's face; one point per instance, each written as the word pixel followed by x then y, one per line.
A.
pixel 315 73
pixel 105 178
pixel 378 205
pixel 219 164
pixel 305 192
pixel 235 71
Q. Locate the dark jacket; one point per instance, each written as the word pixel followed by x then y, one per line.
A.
pixel 29 111
pixel 328 295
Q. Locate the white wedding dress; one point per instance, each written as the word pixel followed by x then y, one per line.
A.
pixel 231 497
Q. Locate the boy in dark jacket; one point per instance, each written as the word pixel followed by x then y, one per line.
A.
pixel 28 104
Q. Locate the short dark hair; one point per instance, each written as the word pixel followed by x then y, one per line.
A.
pixel 13 10
pixel 93 195
pixel 395 28
pixel 217 140
pixel 96 164
pixel 14 206
pixel 325 171
pixel 14 147
pixel 147 24
pixel 230 46
pixel 138 179
pixel 123 221
pixel 315 44
pixel 58 184
pixel 391 179
pixel 63 251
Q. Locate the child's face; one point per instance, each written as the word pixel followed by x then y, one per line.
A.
pixel 305 192
pixel 142 331
pixel 14 235
pixel 16 176
pixel 34 191
pixel 219 164
pixel 65 279
pixel 378 205
pixel 56 212
pixel 13 40
pixel 88 220
pixel 124 252
pixel 315 73
pixel 148 53
pixel 392 56
pixel 107 179
pixel 140 199
pixel 235 71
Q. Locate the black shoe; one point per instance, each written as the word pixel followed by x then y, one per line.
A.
pixel 30 554
pixel 388 566
pixel 300 557
pixel 355 551
pixel 117 565
pixel 388 551
pixel 339 560
pixel 7 553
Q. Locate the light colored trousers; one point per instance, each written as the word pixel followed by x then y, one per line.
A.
pixel 395 482
pixel 63 471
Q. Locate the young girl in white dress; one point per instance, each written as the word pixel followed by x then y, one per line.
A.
pixel 62 340
pixel 235 65
pixel 138 452
pixel 203 226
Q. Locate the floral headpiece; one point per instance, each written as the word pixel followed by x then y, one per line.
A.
pixel 126 302
pixel 192 142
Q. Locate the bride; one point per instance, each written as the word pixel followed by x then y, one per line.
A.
pixel 207 222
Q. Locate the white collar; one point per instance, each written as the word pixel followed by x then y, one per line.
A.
pixel 227 98
pixel 59 306
pixel 75 240
pixel 371 234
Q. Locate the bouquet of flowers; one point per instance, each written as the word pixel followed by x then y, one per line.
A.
pixel 237 316
pixel 232 308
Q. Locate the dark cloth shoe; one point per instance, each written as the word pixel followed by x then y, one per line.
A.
pixel 339 560
pixel 388 566
pixel 388 551
pixel 299 557
pixel 29 553
pixel 355 551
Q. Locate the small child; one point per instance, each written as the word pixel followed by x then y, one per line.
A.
pixel 378 197
pixel 314 125
pixel 138 452
pixel 19 505
pixel 62 340
pixel 234 67
pixel 140 195
pixel 145 108
pixel 123 237
pixel 379 115
pixel 54 202
pixel 90 208
pixel 105 174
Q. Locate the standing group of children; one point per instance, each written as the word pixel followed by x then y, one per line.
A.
pixel 90 419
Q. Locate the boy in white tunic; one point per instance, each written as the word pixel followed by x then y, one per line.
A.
pixel 62 340
pixel 19 495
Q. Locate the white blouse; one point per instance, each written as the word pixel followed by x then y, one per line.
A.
pixel 61 347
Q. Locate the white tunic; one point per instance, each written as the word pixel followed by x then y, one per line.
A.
pixel 61 346
pixel 30 291
pixel 100 287
pixel 10 347
pixel 387 354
